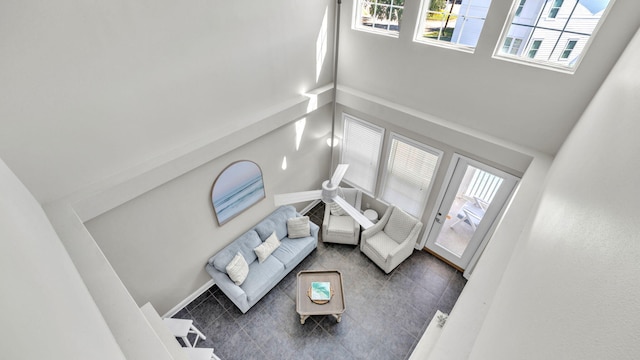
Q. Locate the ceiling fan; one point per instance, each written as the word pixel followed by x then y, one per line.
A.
pixel 329 192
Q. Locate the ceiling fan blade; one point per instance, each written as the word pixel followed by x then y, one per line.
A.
pixel 291 198
pixel 353 212
pixel 339 174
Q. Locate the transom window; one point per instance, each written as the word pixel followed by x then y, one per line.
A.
pixel 361 147
pixel 556 32
pixel 452 23
pixel 382 16
pixel 408 175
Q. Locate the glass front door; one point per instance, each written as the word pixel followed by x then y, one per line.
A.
pixel 475 196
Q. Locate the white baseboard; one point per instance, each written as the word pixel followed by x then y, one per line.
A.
pixel 189 299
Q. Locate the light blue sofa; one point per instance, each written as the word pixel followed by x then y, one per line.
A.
pixel 262 276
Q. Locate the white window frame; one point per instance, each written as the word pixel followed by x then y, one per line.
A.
pixel 358 16
pixel 343 148
pixel 385 175
pixel 552 61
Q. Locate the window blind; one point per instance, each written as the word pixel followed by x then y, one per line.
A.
pixel 409 175
pixel 361 144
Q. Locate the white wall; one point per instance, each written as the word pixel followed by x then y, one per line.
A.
pixel 47 311
pixel 526 105
pixel 92 89
pixel 570 290
pixel 159 242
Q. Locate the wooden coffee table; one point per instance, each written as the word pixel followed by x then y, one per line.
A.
pixel 305 307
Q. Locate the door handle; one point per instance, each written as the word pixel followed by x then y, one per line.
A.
pixel 438 220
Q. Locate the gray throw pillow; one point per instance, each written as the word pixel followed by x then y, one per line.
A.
pixel 298 227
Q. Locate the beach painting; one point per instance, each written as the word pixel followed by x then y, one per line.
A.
pixel 236 189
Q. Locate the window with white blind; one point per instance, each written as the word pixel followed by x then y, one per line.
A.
pixel 361 146
pixel 409 174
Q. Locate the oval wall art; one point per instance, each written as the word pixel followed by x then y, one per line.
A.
pixel 238 187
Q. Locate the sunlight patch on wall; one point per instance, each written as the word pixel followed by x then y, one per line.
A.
pixel 313 102
pixel 300 125
pixel 284 163
pixel 321 46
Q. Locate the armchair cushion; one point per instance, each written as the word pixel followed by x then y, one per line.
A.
pixel 340 224
pixel 382 244
pixel 399 225
pixel 337 225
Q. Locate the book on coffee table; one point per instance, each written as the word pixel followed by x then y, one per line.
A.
pixel 320 290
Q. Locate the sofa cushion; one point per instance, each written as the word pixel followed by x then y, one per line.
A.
pixel 399 225
pixel 267 247
pixel 238 269
pixel 244 244
pixel 262 277
pixel 292 251
pixel 298 227
pixel 276 221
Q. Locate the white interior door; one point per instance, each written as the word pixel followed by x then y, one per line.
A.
pixel 474 196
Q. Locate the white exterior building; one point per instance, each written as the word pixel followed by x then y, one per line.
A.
pixel 552 30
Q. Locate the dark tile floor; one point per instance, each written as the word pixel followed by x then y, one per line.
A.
pixel 384 319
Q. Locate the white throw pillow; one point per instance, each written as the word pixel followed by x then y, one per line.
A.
pixel 238 269
pixel 267 247
pixel 298 227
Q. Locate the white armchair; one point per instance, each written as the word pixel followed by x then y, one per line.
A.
pixel 392 239
pixel 338 226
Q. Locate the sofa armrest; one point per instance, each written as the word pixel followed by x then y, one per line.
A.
pixel 233 291
pixel 314 229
